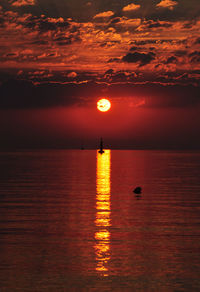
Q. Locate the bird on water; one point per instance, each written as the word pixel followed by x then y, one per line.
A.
pixel 137 190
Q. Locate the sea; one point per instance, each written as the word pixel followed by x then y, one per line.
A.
pixel 70 221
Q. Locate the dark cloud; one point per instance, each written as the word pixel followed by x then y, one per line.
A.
pixel 18 94
pixel 180 78
pixel 60 77
pixel 197 41
pixel 1 22
pixel 109 72
pixel 62 39
pixel 189 24
pixel 112 60
pixel 120 77
pixel 157 24
pixel 142 43
pixel 141 58
pixel 134 48
pixel 195 57
pixel 10 55
pixel 44 24
pixel 58 30
pixel 40 42
pixel 115 20
pixel 159 42
pixel 171 60
pixel 184 41
pixel 180 53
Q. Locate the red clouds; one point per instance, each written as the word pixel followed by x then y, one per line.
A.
pixel 145 57
pixel 54 42
pixel 19 3
pixel 134 49
pixel 104 14
pixel 136 57
pixel 170 4
pixel 131 7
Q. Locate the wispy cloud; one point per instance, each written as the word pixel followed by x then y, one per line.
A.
pixel 19 3
pixel 170 4
pixel 131 7
pixel 104 14
pixel 31 41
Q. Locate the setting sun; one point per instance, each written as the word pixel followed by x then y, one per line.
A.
pixel 103 105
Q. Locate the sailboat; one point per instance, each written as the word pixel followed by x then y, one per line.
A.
pixel 101 147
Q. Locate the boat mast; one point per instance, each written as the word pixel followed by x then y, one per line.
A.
pixel 101 146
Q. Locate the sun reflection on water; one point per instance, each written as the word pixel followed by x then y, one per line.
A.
pixel 102 221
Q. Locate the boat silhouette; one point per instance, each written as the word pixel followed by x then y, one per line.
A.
pixel 101 147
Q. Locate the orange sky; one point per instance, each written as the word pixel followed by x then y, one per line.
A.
pixel 58 58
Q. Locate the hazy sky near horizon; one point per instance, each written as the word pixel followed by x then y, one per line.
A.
pixel 58 57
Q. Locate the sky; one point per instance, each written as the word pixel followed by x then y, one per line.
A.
pixel 58 57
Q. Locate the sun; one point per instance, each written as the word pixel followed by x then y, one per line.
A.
pixel 103 105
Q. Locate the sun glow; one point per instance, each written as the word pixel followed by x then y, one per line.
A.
pixel 103 105
pixel 103 213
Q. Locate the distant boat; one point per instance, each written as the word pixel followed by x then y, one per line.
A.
pixel 101 147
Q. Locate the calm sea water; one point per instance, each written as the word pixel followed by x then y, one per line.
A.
pixel 69 221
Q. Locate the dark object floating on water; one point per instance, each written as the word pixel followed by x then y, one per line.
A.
pixel 101 146
pixel 137 190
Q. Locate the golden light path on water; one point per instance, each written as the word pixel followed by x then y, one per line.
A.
pixel 102 221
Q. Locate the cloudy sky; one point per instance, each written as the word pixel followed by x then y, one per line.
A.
pixel 58 57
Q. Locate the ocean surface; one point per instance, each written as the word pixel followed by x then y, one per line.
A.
pixel 69 221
